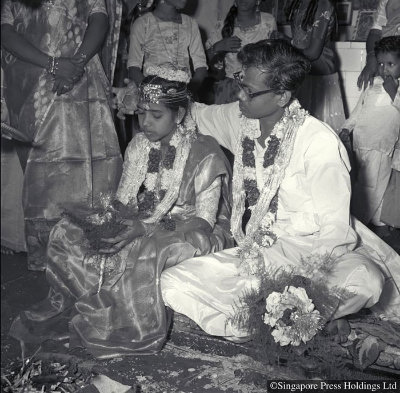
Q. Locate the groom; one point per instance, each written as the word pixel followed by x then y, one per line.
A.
pixel 299 197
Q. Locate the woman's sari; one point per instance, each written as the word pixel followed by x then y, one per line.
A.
pixel 127 316
pixel 320 93
pixel 75 156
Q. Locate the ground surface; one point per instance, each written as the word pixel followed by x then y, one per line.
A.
pixel 190 361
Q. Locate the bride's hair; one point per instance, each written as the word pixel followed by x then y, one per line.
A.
pixel 172 94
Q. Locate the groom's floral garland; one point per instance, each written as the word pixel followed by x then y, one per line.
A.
pixel 263 204
pixel 279 311
pixel 286 311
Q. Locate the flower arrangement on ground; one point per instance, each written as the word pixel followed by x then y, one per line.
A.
pixel 286 313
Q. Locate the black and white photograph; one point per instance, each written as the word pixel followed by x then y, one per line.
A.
pixel 200 196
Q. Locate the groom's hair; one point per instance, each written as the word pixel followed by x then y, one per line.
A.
pixel 285 67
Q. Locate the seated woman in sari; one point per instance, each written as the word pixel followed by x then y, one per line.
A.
pixel 175 182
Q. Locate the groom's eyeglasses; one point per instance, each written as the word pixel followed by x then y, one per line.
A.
pixel 238 76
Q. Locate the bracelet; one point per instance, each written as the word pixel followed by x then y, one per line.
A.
pixel 52 65
pixel 82 56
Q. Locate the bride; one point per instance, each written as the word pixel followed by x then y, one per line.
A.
pixel 175 184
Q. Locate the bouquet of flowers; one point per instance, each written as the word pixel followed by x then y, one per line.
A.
pixel 286 314
pixel 103 222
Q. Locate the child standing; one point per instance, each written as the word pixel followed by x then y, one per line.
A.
pixel 313 25
pixel 163 36
pixel 376 123
pixel 244 24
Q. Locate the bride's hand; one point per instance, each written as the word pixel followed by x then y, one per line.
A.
pixel 132 230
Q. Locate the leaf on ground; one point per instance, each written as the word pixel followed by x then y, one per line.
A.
pixel 369 351
pixel 387 331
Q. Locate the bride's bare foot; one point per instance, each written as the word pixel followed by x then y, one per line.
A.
pixel 7 251
pixel 339 329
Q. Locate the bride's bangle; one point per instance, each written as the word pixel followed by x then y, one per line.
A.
pixel 52 65
pixel 82 56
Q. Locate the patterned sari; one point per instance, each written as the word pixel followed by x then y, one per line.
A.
pixel 320 92
pixel 75 156
pixel 128 316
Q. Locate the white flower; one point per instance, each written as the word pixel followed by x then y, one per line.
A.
pixel 105 200
pixel 273 307
pixel 250 127
pixel 307 335
pixel 175 140
pixel 151 181
pixel 168 72
pixel 249 173
pixel 166 178
pixel 304 320
pixel 281 336
pixel 301 294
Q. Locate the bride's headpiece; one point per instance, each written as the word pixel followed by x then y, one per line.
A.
pixel 156 93
pixel 169 72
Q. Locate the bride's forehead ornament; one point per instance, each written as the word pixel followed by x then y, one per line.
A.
pixel 155 93
pixel 151 93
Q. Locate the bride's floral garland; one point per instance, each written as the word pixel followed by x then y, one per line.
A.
pixel 263 204
pixel 161 177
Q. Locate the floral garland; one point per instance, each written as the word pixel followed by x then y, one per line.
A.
pixel 161 177
pixel 169 72
pixel 263 204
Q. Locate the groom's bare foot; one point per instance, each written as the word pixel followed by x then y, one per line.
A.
pixel 339 329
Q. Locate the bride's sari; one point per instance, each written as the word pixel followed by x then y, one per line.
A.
pixel 127 315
